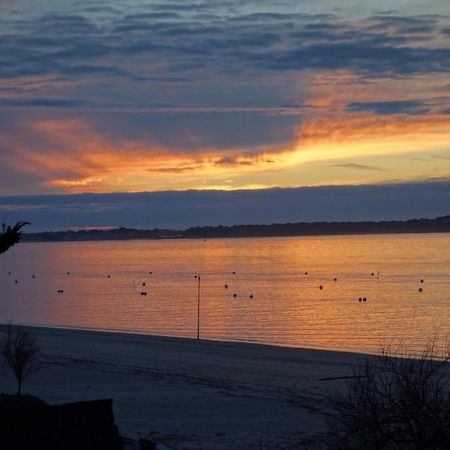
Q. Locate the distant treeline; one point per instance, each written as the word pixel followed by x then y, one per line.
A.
pixel 437 225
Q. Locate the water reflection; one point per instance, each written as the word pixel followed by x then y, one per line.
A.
pixel 273 290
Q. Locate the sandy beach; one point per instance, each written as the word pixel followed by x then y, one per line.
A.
pixel 191 394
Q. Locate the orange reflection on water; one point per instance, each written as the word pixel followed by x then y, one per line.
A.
pixel 288 307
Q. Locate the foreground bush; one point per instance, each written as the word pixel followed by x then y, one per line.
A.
pixel 395 402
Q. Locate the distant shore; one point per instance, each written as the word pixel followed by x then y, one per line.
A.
pixel 188 393
pixel 435 225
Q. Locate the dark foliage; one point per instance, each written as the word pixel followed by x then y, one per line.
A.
pixel 395 403
pixel 11 236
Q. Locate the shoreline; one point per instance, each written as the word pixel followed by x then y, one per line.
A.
pixel 27 240
pixel 288 229
pixel 190 393
pixel 144 334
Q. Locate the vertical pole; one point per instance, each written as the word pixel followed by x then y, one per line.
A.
pixel 198 306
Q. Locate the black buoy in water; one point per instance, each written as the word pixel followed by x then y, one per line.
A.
pixel 421 280
pixel 335 279
pixel 420 289
pixel 150 273
pixel 234 273
pixel 226 286
pixel 364 299
pixel 251 295
pixel 109 276
pixel 320 287
pixel 234 295
pixel 68 273
pixel 372 274
pixel 16 281
pixel 306 273
pixel 33 276
pixel 143 284
pixel 360 299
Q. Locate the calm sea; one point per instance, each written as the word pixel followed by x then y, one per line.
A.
pixel 103 282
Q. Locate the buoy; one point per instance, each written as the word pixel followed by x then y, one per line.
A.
pixel 143 284
pixel 226 286
pixel 320 287
pixel 420 289
pixel 16 281
pixel 306 273
pixel 364 299
pixel 251 295
pixel 195 276
pixel 372 274
pixel 60 291
pixel 68 273
pixel 150 273
pixel 421 280
pixel 234 273
pixel 360 299
pixel 335 279
pixel 33 276
pixel 9 273
pixel 109 276
pixel 234 295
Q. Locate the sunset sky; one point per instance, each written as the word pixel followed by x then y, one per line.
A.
pixel 130 96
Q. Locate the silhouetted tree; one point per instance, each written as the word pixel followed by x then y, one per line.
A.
pixel 11 236
pixel 19 350
pixel 395 403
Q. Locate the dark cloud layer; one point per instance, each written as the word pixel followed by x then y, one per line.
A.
pixel 70 44
pixel 190 208
pixel 390 107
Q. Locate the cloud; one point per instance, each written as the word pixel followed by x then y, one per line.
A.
pixel 45 102
pixel 390 107
pixel 371 59
pixel 70 154
pixel 357 166
pixel 384 45
pixel 191 208
pixel 177 94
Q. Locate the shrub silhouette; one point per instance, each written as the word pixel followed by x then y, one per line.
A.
pixel 11 236
pixel 19 350
pixel 395 402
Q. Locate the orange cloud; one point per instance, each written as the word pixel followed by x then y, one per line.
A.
pixel 76 158
pixel 70 155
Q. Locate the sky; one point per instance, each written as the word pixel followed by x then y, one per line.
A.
pixel 127 96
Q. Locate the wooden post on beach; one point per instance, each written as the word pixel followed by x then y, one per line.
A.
pixel 198 306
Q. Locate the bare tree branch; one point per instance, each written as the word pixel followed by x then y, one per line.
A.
pixel 20 352
pixel 395 402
